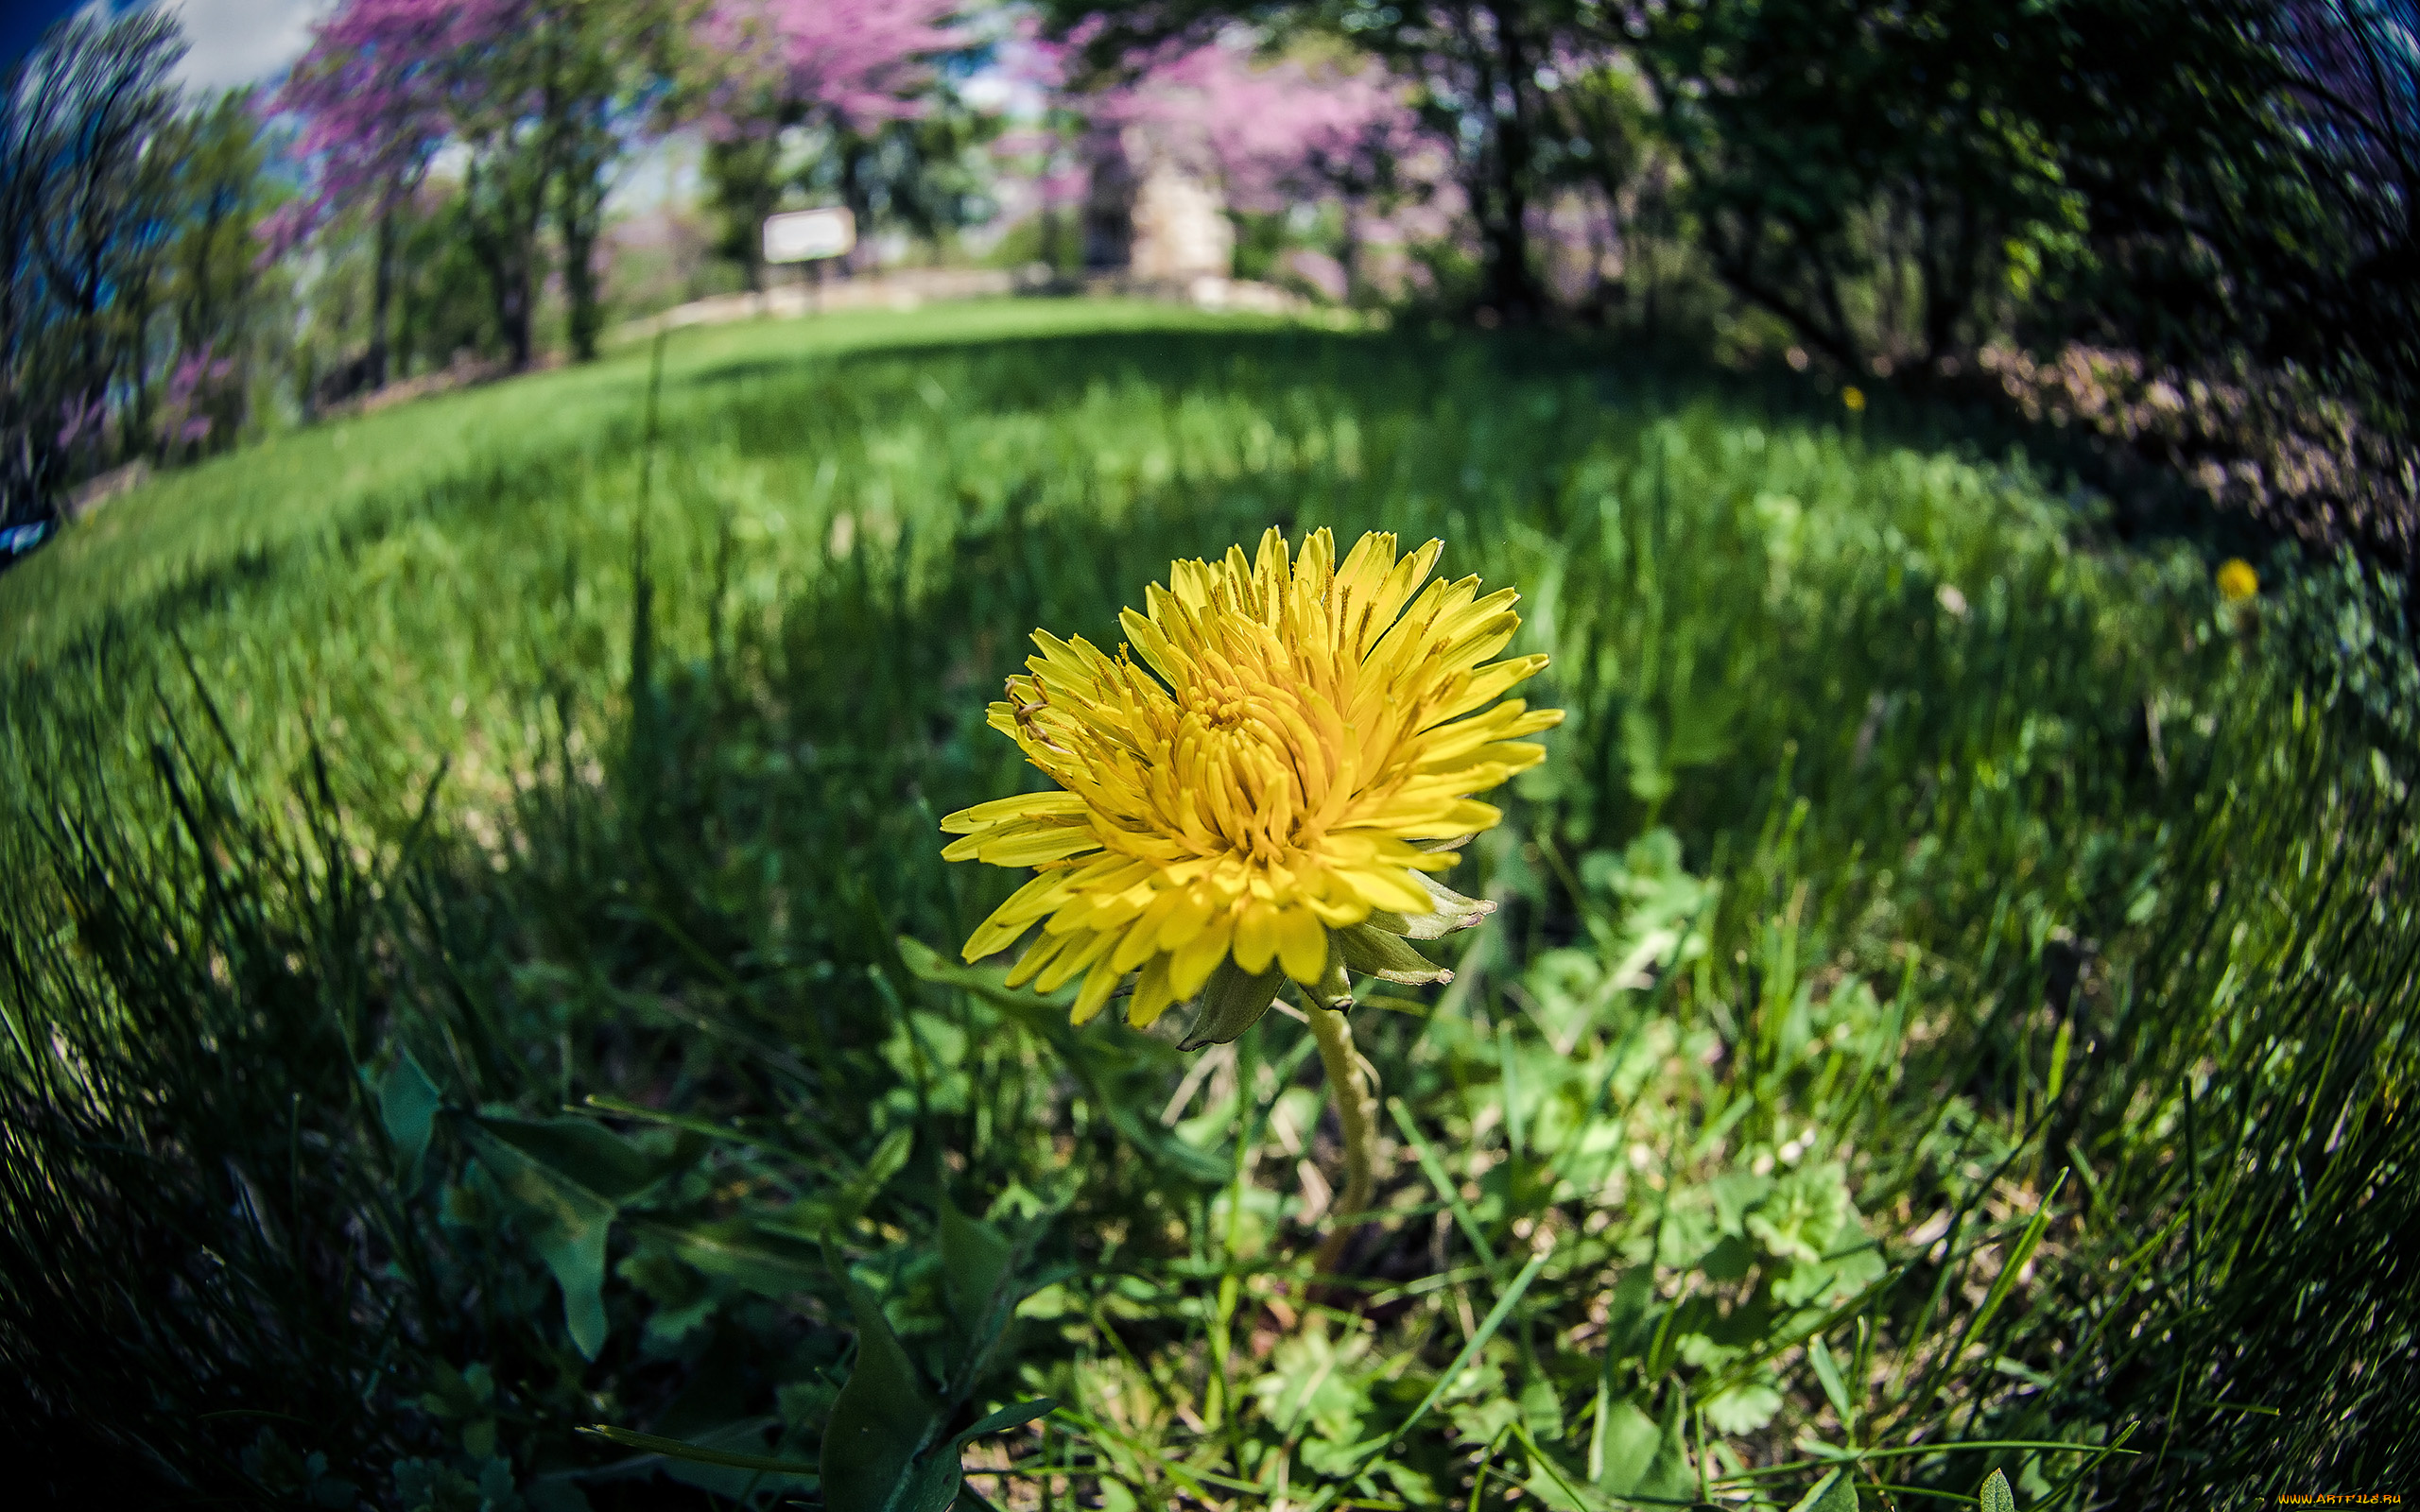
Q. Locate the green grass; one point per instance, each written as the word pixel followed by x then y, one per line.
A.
pixel 1953 993
pixel 351 478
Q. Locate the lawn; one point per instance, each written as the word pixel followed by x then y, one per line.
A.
pixel 479 964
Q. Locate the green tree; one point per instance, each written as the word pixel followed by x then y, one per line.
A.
pixel 438 296
pixel 1880 178
pixel 92 211
pixel 745 181
pixel 925 175
pixel 218 296
pixel 554 94
pixel 2216 184
pixel 607 68
pixel 502 206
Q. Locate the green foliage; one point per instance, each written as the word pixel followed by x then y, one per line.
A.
pixel 927 177
pixel 225 305
pixel 90 194
pixel 2347 628
pixel 744 184
pixel 1891 180
pixel 1946 1012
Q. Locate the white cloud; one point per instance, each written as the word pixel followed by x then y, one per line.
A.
pixel 242 41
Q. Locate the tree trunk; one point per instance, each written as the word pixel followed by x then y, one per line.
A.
pixel 513 314
pixel 382 295
pixel 1503 200
pixel 580 206
pixel 1733 250
pixel 853 193
pixel 502 232
pixel 1950 279
pixel 579 284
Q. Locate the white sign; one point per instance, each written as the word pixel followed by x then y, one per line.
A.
pixel 803 235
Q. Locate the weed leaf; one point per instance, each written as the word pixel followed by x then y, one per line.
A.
pixel 407 1104
pixel 1836 1492
pixel 1827 1371
pixel 890 1157
pixel 698 1454
pixel 1996 1495
pixel 770 1263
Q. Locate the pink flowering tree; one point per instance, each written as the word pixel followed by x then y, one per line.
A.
pixel 1481 77
pixel 376 94
pixel 544 95
pixel 837 66
pixel 1286 133
pixel 852 61
pixel 1038 162
pixel 1042 175
pixel 1274 133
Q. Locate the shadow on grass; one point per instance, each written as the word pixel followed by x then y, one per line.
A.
pixel 1409 368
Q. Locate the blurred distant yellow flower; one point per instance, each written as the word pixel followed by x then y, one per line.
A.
pixel 2237 580
pixel 1855 398
pixel 1260 784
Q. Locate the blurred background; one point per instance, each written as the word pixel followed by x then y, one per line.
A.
pixel 486 637
pixel 2185 228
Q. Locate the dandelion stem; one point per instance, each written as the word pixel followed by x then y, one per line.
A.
pixel 1356 1109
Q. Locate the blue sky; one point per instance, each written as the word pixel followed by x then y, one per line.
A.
pixel 251 41
pixel 233 41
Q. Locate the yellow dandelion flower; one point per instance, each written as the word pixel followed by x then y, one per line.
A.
pixel 2237 580
pixel 1853 398
pixel 1258 785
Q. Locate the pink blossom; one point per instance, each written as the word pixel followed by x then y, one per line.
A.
pixel 80 417
pixel 196 384
pixel 1320 271
pixel 376 94
pixel 1274 133
pixel 857 62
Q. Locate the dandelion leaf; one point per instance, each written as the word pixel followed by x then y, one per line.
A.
pixel 884 1423
pixel 591 1155
pixel 567 1224
pixel 884 1449
pixel 765 1261
pixel 977 1279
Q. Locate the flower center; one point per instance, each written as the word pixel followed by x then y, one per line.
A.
pixel 1222 706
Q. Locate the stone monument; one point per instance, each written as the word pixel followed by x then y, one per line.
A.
pixel 1151 214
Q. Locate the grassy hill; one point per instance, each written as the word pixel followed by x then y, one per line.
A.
pixel 351 476
pixel 474 952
